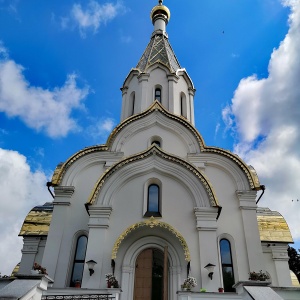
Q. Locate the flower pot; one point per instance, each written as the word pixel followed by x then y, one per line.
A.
pixel 221 290
pixel 77 284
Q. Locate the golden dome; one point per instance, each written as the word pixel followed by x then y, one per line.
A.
pixel 160 9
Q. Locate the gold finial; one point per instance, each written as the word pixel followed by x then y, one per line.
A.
pixel 160 2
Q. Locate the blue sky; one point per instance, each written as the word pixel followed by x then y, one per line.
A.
pixel 62 64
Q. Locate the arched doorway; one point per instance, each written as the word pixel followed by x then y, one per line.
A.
pixel 149 275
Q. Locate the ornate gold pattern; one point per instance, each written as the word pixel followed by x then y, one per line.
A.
pixel 151 222
pixel 273 227
pixel 142 155
pixel 156 106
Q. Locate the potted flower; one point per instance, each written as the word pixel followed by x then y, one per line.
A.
pixel 261 276
pixel 38 269
pixel 189 283
pixel 77 283
pixel 111 281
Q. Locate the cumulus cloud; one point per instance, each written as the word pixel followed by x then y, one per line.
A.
pixel 265 118
pixel 41 109
pixel 92 16
pixel 100 130
pixel 21 190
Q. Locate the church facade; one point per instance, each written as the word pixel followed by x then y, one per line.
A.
pixel 155 205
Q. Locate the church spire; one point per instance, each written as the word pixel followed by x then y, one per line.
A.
pixel 158 75
pixel 159 48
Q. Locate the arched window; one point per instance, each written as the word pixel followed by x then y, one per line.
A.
pixel 131 104
pixel 157 95
pixel 79 259
pixel 183 105
pixel 153 201
pixel 157 140
pixel 157 143
pixel 227 266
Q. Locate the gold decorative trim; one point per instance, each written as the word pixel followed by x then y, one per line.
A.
pixel 156 106
pixel 62 168
pixel 154 150
pixel 152 222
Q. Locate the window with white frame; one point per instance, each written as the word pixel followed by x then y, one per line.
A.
pixel 131 104
pixel 157 95
pixel 79 260
pixel 152 201
pixel 227 265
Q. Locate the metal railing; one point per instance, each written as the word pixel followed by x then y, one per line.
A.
pixel 79 297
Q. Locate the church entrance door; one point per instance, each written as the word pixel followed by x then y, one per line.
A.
pixel 149 275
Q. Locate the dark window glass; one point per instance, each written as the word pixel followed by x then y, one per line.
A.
pixel 153 201
pixel 227 266
pixel 158 94
pixel 181 106
pixel 79 258
pixel 156 143
pixel 133 103
pixel 153 198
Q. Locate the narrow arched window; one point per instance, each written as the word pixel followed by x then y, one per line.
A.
pixel 227 266
pixel 183 105
pixel 131 104
pixel 153 201
pixel 79 259
pixel 157 94
pixel 157 143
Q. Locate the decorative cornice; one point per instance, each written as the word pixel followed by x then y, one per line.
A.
pixel 151 222
pixel 63 191
pixel 154 150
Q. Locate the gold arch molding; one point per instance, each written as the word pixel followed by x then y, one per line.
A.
pixel 151 222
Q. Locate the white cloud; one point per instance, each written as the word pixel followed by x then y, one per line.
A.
pixel 92 16
pixel 21 190
pixel 101 129
pixel 265 118
pixel 41 109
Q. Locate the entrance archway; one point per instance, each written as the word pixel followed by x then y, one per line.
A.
pixel 132 249
pixel 149 275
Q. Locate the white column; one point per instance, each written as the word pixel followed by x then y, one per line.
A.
pixel 55 236
pixel 125 107
pixel 127 282
pixel 172 105
pixel 98 224
pixel 29 252
pixel 191 105
pixel 251 231
pixel 207 227
pixel 280 258
pixel 143 102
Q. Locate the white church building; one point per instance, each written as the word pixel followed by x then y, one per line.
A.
pixel 154 206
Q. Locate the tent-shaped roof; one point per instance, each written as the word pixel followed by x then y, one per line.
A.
pixel 159 50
